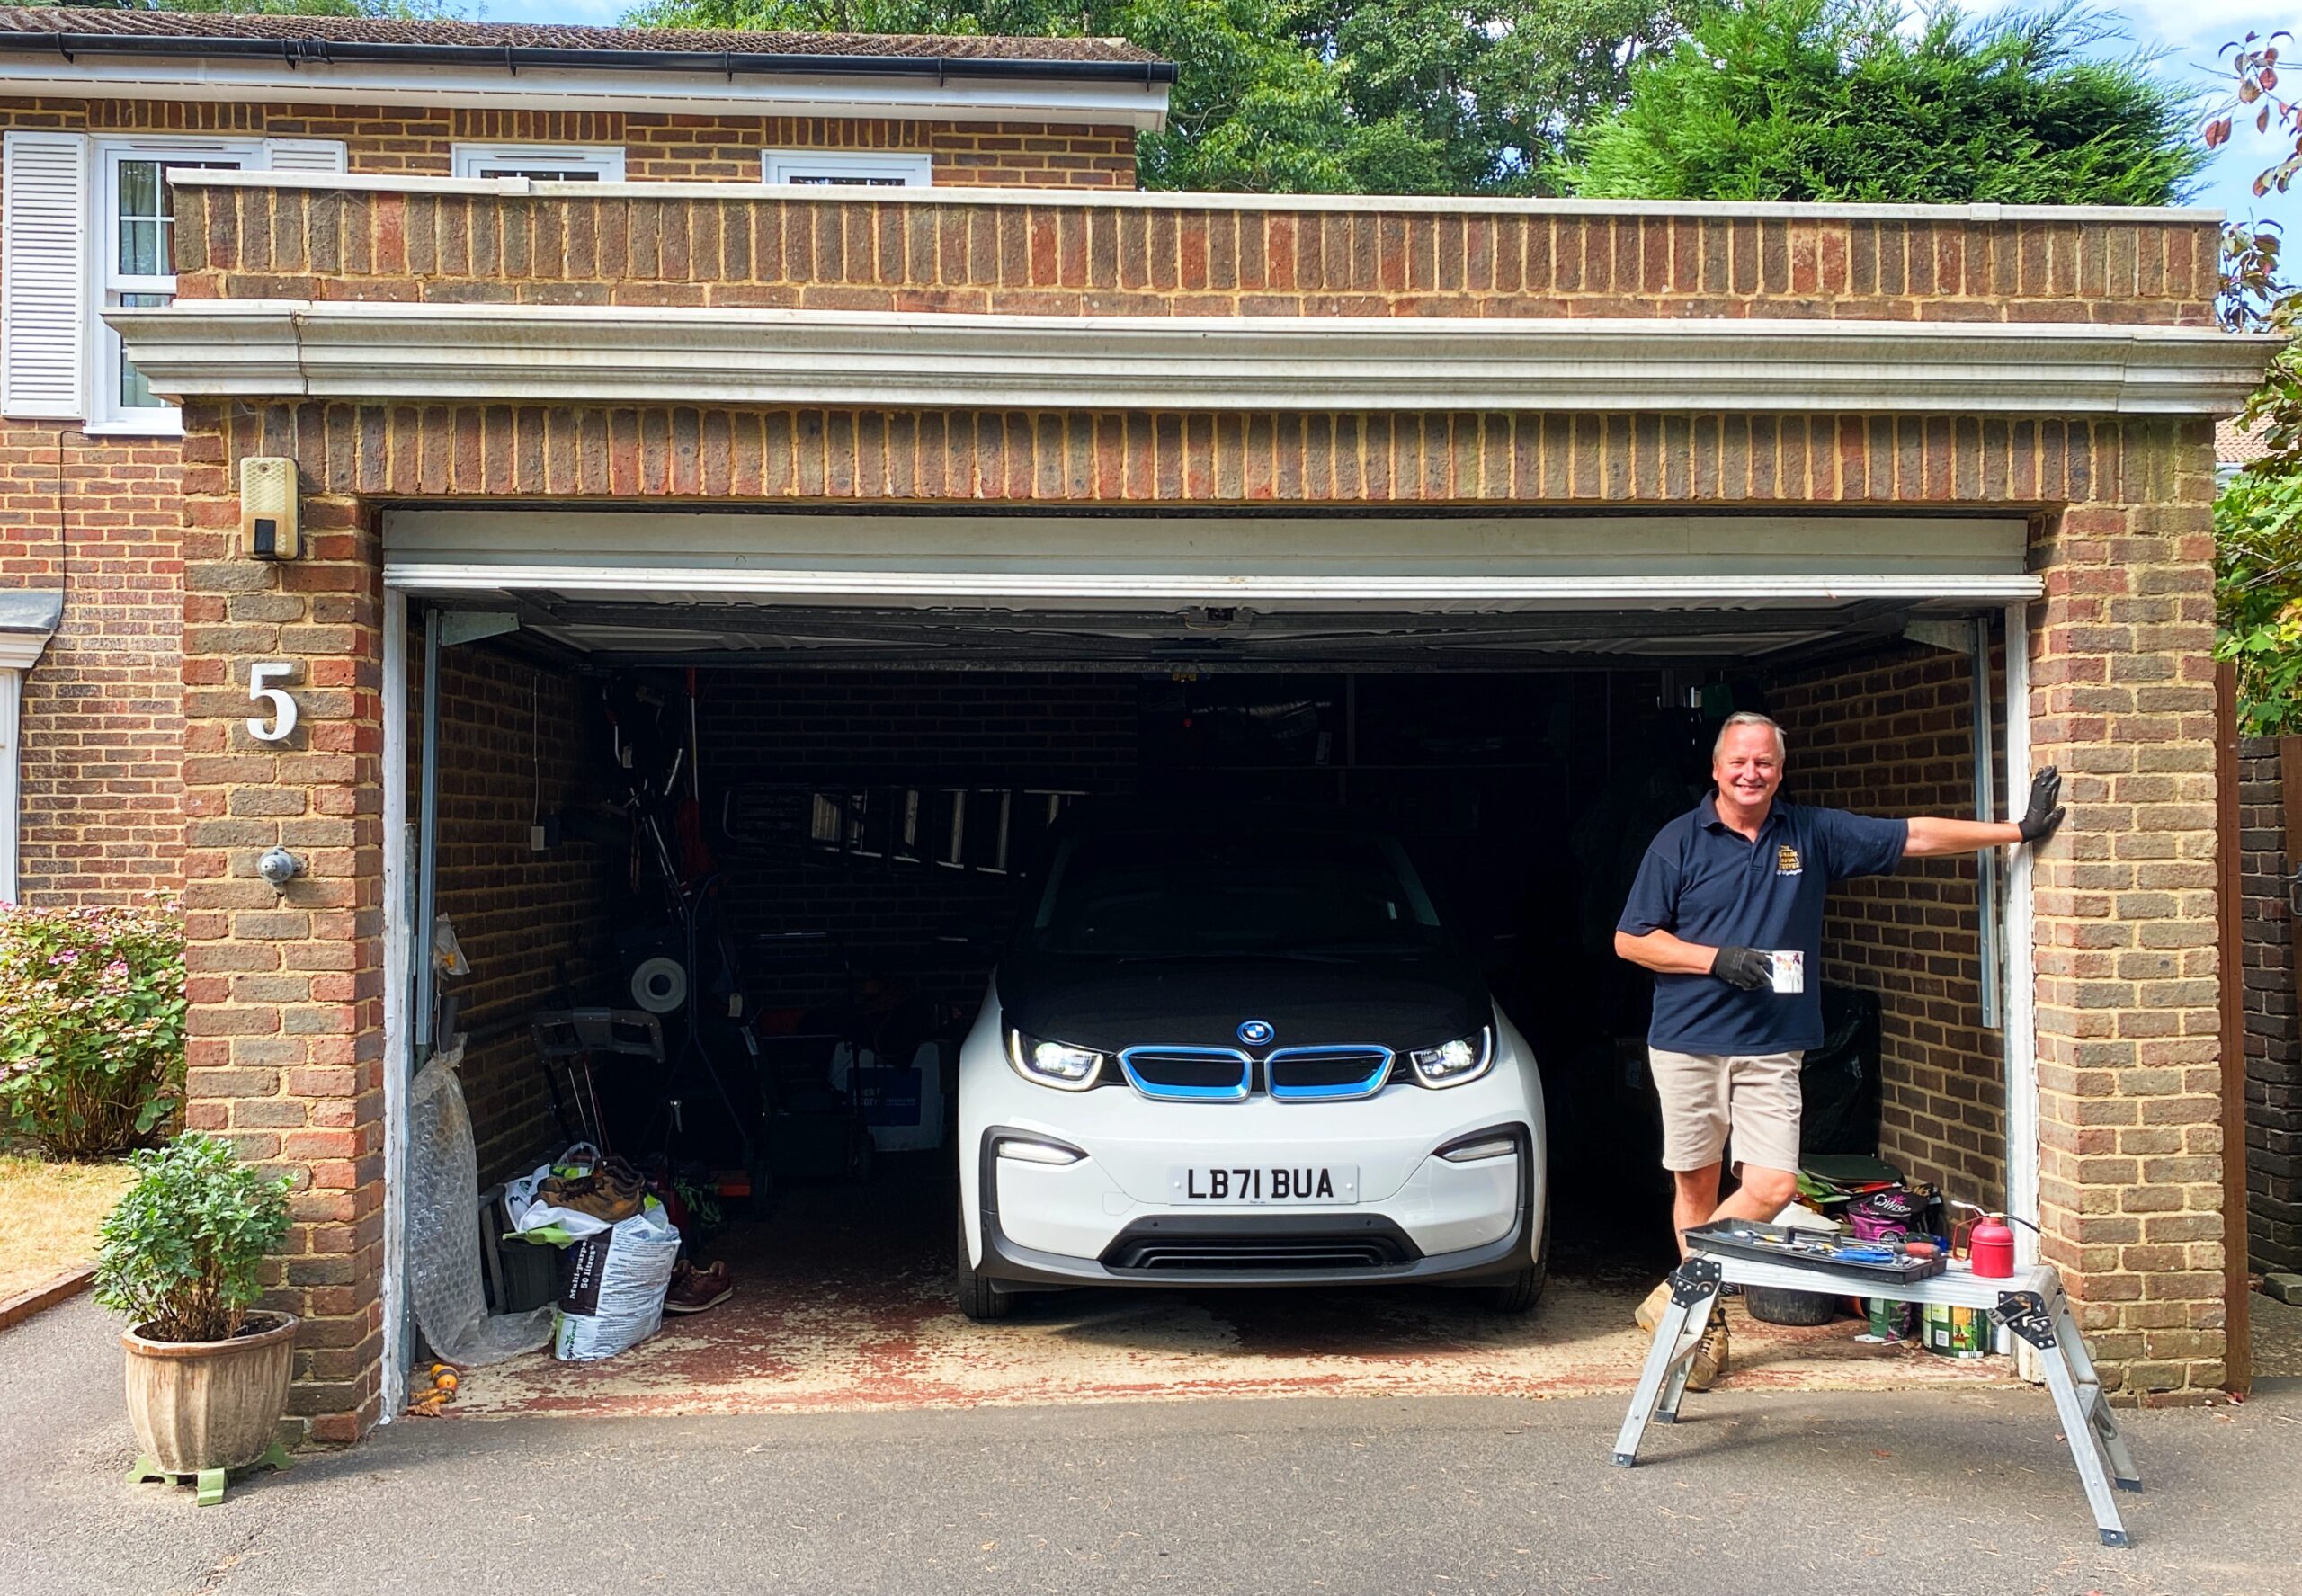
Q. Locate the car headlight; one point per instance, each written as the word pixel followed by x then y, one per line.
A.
pixel 1054 1064
pixel 1450 1063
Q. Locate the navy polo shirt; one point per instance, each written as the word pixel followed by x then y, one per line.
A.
pixel 1703 882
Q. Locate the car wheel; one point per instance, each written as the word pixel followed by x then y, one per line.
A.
pixel 1523 1290
pixel 976 1299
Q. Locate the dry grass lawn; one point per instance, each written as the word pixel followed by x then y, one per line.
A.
pixel 48 1215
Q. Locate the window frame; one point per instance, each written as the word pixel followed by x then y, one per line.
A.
pixel 603 162
pixel 108 286
pixel 825 169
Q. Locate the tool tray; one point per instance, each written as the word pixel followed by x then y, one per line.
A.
pixel 1807 1249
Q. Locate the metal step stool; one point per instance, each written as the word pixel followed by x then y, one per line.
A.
pixel 2031 1305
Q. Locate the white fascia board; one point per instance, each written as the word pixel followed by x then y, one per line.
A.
pixel 608 354
pixel 1142 106
pixel 1353 204
pixel 1021 589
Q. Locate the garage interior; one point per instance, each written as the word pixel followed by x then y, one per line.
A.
pixel 777 778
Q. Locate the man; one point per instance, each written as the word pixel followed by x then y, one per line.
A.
pixel 1728 911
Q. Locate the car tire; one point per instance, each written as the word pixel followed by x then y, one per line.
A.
pixel 1524 1289
pixel 977 1298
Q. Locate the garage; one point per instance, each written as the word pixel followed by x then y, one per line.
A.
pixel 776 780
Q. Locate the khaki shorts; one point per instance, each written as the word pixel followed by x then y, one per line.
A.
pixel 1705 1093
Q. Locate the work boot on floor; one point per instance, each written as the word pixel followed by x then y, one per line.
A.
pixel 1651 1311
pixel 1709 1364
pixel 693 1290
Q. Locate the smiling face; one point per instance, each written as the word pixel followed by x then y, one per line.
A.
pixel 1747 768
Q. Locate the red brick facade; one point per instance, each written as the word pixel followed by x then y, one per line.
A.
pixel 101 517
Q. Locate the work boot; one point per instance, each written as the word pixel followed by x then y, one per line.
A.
pixel 1710 1354
pixel 693 1289
pixel 1651 1311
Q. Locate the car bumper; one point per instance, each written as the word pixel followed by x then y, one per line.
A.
pixel 1073 1225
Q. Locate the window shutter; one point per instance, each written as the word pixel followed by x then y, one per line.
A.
pixel 44 274
pixel 305 155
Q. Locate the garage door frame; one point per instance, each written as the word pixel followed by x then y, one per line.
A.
pixel 404 875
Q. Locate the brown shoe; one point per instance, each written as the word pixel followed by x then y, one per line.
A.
pixel 693 1290
pixel 1651 1311
pixel 1709 1364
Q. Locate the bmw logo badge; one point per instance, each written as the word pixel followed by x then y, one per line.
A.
pixel 1256 1032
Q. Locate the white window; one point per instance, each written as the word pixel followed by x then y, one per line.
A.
pixel 542 163
pixel 847 168
pixel 89 225
pixel 136 267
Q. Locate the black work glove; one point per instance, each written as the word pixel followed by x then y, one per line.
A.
pixel 2046 811
pixel 1746 967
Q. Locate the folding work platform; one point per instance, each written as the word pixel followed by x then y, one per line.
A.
pixel 2031 1303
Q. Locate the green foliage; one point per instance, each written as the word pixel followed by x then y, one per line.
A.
pixel 179 1254
pixel 91 1006
pixel 1833 99
pixel 1308 96
pixel 2258 596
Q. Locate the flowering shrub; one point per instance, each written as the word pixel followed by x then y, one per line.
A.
pixel 92 1012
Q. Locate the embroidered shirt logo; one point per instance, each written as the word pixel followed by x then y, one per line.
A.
pixel 1786 860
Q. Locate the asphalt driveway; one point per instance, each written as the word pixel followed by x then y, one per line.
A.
pixel 1761 1491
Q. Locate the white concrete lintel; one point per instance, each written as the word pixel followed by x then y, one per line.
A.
pixel 575 354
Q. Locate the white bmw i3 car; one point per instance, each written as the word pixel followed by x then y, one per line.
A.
pixel 1232 1049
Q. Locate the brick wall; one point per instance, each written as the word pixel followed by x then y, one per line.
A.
pixel 659 147
pixel 1893 734
pixel 778 731
pixel 920 250
pixel 102 729
pixel 2273 1038
pixel 513 735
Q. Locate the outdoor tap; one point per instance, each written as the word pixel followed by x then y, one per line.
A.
pixel 279 867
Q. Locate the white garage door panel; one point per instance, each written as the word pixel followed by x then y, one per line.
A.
pixel 1044 556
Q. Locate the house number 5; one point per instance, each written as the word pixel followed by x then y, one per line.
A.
pixel 283 707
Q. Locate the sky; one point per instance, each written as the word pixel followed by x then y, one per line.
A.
pixel 2191 32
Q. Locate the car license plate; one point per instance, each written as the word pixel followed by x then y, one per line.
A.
pixel 1264 1183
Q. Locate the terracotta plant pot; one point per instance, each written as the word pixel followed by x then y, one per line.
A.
pixel 213 1404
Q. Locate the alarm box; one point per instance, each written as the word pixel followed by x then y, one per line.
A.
pixel 268 507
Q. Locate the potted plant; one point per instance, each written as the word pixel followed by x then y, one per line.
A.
pixel 207 1378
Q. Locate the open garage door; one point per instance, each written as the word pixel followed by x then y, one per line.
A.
pixel 1177 590
pixel 872 717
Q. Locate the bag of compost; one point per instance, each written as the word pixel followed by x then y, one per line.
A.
pixel 616 1279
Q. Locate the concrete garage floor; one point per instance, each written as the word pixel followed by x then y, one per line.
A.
pixel 842 1302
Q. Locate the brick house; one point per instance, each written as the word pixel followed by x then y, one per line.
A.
pixel 97 103
pixel 974 499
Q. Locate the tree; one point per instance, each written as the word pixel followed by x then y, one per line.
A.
pixel 1835 100
pixel 1310 96
pixel 2258 515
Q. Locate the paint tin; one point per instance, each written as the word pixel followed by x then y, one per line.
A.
pixel 1957 1331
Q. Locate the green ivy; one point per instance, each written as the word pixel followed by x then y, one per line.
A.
pixel 2258 597
pixel 91 1014
pixel 180 1256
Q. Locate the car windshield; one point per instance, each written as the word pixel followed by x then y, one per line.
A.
pixel 1168 894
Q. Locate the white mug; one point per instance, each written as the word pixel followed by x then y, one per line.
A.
pixel 1790 969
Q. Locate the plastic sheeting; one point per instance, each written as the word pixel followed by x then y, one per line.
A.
pixel 443 1231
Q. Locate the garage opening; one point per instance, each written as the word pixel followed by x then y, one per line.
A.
pixel 767 791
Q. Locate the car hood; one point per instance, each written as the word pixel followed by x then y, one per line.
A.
pixel 1416 1002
